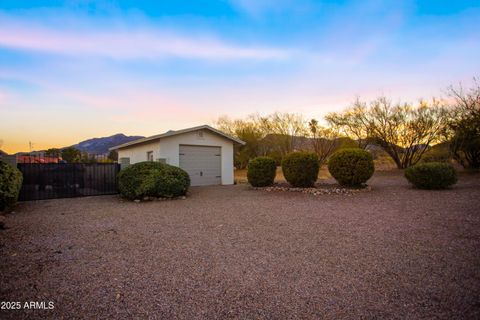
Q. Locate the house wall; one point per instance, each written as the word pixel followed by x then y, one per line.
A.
pixel 138 153
pixel 169 148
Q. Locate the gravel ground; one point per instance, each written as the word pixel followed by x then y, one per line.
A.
pixel 234 252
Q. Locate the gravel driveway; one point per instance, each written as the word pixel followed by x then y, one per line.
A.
pixel 233 252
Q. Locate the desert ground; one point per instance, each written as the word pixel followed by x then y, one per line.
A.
pixel 233 252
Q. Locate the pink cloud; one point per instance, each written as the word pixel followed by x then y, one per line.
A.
pixel 125 44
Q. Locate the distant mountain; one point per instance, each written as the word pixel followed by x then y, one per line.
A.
pixel 101 145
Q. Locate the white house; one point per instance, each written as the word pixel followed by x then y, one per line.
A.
pixel 204 152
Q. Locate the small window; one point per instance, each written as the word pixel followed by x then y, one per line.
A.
pixel 150 156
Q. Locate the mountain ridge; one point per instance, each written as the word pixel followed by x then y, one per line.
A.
pixel 102 144
pixel 97 146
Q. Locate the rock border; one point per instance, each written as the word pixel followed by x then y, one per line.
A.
pixel 317 190
pixel 149 199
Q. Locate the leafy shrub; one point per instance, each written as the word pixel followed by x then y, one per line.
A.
pixel 351 167
pixel 431 175
pixel 261 171
pixel 152 179
pixel 10 183
pixel 300 169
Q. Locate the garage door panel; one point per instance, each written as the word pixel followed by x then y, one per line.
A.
pixel 202 163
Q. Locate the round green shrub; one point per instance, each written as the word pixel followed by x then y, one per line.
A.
pixel 351 167
pixel 10 184
pixel 300 169
pixel 152 179
pixel 261 171
pixel 431 175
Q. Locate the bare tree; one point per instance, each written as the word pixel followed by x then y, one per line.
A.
pixel 467 101
pixel 285 128
pixel 464 126
pixel 351 122
pixel 403 131
pixel 251 130
pixel 274 134
pixel 324 140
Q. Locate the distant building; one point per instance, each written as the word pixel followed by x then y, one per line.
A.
pixel 37 159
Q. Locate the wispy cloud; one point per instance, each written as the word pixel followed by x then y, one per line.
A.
pixel 127 44
pixel 91 69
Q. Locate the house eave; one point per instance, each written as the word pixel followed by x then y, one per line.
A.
pixel 173 133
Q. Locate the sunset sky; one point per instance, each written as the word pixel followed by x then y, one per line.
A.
pixel 72 70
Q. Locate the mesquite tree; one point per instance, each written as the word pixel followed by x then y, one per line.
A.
pixel 464 126
pixel 248 130
pixel 284 130
pixel 351 123
pixel 277 133
pixel 403 131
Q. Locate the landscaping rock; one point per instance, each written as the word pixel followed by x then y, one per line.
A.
pixel 316 191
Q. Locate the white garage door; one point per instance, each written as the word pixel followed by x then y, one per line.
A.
pixel 203 164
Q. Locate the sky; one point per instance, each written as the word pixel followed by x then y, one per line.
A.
pixel 73 70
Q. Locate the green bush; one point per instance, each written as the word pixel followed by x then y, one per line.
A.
pixel 261 171
pixel 351 167
pixel 300 169
pixel 152 179
pixel 431 175
pixel 10 183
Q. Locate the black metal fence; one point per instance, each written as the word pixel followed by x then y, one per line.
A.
pixel 66 180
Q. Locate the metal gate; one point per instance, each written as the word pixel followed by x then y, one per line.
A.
pixel 66 180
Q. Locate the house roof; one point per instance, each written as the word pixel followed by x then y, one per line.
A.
pixel 177 132
pixel 37 159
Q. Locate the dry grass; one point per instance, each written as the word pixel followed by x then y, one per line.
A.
pixel 241 175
